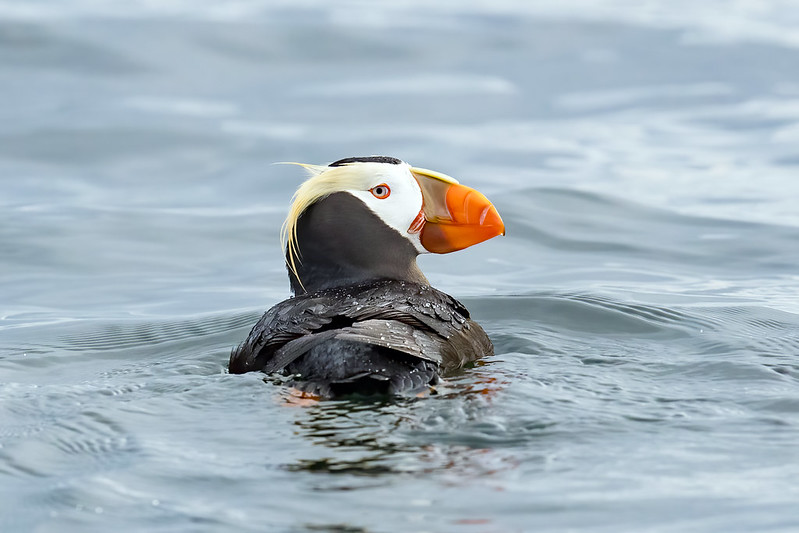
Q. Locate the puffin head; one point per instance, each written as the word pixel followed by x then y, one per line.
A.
pixel 368 218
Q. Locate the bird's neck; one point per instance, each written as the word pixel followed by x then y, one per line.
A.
pixel 328 276
pixel 341 242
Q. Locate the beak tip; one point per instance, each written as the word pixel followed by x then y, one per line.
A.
pixel 493 219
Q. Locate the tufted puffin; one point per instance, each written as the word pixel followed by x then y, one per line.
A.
pixel 363 318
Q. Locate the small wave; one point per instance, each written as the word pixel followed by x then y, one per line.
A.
pixel 595 314
pixel 123 336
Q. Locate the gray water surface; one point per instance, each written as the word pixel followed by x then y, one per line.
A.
pixel 644 304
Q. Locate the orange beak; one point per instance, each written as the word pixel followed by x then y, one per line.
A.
pixel 455 216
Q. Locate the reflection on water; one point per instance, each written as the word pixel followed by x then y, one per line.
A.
pixel 411 436
pixel 643 304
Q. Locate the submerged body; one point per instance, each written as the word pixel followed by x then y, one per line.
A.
pixel 382 337
pixel 364 319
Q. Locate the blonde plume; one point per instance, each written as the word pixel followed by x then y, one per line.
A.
pixel 323 182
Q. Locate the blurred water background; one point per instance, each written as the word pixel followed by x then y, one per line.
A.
pixel 644 304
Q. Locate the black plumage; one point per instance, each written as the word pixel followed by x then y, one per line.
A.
pixel 342 243
pixel 383 337
pixel 368 159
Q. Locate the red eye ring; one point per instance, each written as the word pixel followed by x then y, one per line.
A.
pixel 381 192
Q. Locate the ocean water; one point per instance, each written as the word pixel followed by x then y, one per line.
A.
pixel 644 304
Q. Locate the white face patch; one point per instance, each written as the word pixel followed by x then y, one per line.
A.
pixel 401 207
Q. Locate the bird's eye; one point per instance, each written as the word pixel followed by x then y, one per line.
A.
pixel 380 191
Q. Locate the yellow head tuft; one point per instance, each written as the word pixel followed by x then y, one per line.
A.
pixel 323 182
